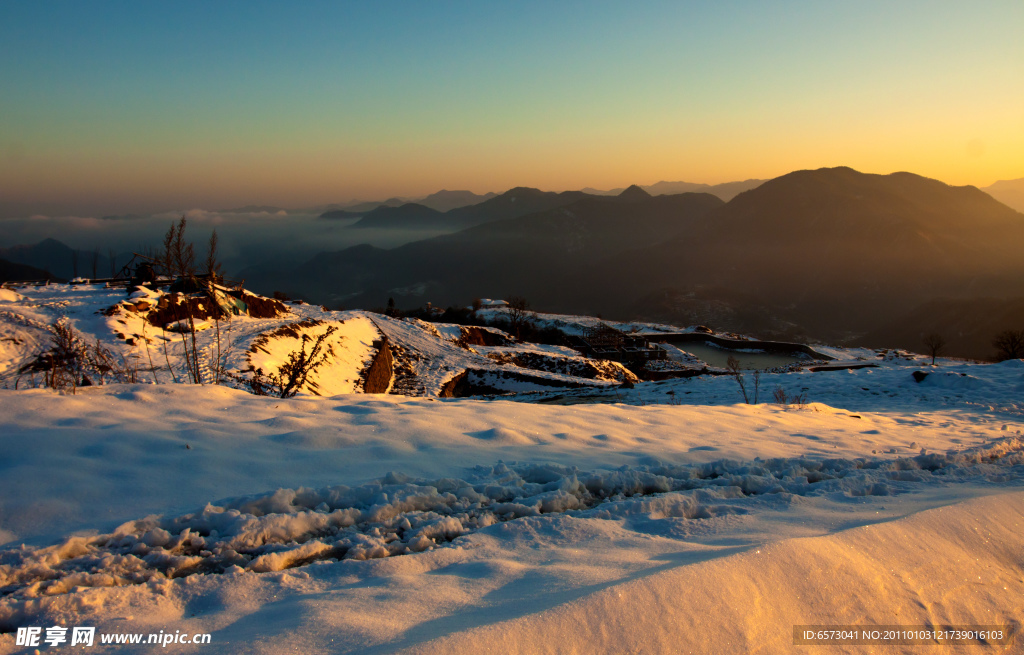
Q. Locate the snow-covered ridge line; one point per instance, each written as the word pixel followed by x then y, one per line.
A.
pixel 147 331
pixel 397 515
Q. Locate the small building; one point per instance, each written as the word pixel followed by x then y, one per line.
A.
pixel 605 342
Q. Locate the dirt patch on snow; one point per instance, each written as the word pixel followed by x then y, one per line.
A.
pixel 478 336
pixel 580 367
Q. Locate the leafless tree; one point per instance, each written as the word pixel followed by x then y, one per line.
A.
pixel 213 266
pixel 935 344
pixel 165 258
pixel 519 314
pixel 183 254
pixel 1009 344
pixel 178 259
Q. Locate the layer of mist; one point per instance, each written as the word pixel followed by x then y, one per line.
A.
pixel 245 238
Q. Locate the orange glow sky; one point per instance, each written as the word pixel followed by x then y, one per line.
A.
pixel 144 108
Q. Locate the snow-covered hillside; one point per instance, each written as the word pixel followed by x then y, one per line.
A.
pixel 150 340
pixel 665 517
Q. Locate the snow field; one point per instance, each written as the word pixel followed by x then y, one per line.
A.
pixel 396 516
pixel 663 518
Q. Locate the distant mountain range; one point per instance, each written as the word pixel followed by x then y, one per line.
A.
pixel 1008 192
pixel 835 250
pixel 11 271
pixel 440 202
pixel 514 203
pixel 55 260
pixel 559 234
pixel 465 209
pixel 829 254
pixel 726 191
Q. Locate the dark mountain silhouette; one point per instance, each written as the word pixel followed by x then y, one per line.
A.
pixel 634 194
pixel 12 272
pixel 726 191
pixel 409 215
pixel 56 257
pixel 835 250
pixel 532 254
pixel 830 254
pixel 729 190
pixel 514 203
pixel 361 208
pixel 442 201
pixel 602 192
pixel 445 200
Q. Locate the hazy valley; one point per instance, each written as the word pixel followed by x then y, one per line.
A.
pixel 827 255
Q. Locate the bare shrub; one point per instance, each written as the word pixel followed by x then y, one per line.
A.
pixel 733 366
pixel 780 397
pixel 71 362
pixel 178 259
pixel 291 376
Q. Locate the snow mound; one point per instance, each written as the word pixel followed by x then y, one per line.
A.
pixel 951 381
pixel 502 435
pixel 397 515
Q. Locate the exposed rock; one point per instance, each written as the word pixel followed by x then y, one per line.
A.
pixel 379 373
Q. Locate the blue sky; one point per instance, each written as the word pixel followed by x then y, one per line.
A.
pixel 145 106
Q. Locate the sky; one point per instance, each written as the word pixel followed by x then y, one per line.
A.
pixel 129 107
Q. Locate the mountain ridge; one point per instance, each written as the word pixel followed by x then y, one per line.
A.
pixel 829 252
pixel 1008 192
